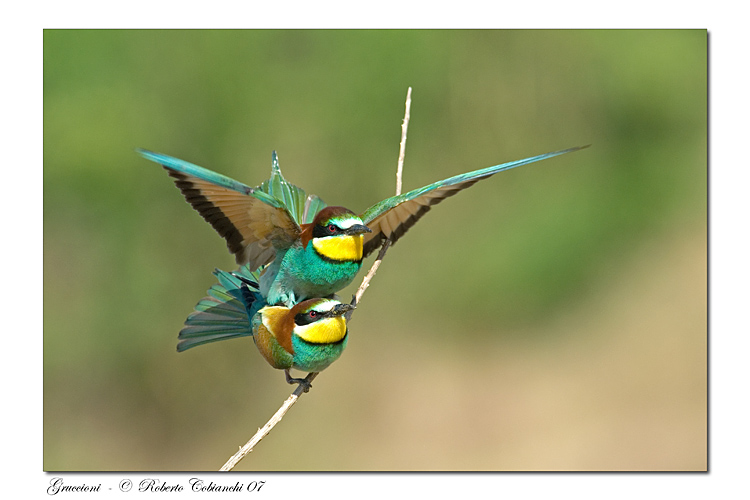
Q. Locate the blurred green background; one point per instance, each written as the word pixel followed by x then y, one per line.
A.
pixel 550 318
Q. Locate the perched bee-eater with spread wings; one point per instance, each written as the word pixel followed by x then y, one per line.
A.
pixel 310 250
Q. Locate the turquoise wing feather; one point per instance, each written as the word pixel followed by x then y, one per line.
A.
pixel 392 217
pixel 255 222
pixel 191 169
pixel 301 206
pixel 225 313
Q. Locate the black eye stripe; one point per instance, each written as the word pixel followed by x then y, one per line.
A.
pixel 307 318
pixel 329 229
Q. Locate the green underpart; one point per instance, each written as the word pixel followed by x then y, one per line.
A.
pixel 307 274
pixel 316 357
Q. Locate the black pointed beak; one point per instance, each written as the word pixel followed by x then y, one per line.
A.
pixel 357 229
pixel 341 309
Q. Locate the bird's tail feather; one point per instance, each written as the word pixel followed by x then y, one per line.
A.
pixel 226 312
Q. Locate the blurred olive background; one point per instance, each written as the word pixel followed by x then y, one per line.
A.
pixel 550 318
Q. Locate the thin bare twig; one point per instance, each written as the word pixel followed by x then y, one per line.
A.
pixel 402 145
pixel 263 432
pixel 399 174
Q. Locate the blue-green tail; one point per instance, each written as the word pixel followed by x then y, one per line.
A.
pixel 226 312
pixel 302 206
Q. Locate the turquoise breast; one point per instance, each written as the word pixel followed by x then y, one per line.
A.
pixel 311 357
pixel 304 274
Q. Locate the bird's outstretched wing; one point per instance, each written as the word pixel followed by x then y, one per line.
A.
pixel 392 217
pixel 255 222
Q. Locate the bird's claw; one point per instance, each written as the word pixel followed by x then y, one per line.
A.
pixel 302 382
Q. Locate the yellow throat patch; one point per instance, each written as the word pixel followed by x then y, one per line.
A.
pixel 342 248
pixel 325 331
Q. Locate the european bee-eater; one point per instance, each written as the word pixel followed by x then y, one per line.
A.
pixel 309 336
pixel 313 250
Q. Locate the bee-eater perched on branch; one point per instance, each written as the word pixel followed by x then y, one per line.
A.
pixel 309 336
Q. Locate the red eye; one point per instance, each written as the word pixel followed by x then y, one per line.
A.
pixel 313 314
pixel 332 228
